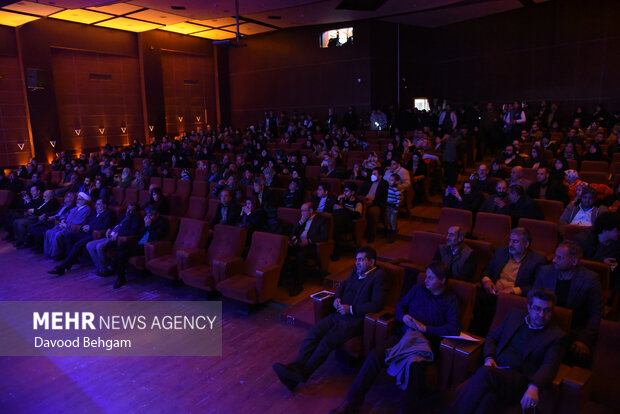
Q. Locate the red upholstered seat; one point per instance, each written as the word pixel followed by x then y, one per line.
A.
pixel 454 217
pixel 263 264
pixel 169 186
pixel 184 188
pixel 200 188
pixel 197 208
pixel 6 198
pixel 196 265
pixel 544 235
pixel 162 254
pixel 419 251
pixel 494 228
pixel 212 209
pixel 552 210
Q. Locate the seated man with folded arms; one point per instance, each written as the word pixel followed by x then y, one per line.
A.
pixel 155 228
pixel 521 357
pixel 460 258
pixel 363 292
pixel 311 229
pixel 430 309
pixel 511 270
pixel 578 289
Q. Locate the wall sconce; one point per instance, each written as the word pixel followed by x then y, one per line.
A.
pixel 123 129
pixel 197 118
pixel 101 130
pixel 180 117
pixel 53 143
pixel 78 131
pixel 151 126
pixel 20 145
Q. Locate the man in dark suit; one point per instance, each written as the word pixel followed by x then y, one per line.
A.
pixel 322 200
pixel 579 289
pixel 363 292
pixel 77 240
pixel 519 205
pixel 227 212
pixel 20 226
pixel 522 356
pixel 264 198
pixel 155 228
pixel 546 189
pixel 460 258
pixel 311 229
pixel 512 270
pixel 375 191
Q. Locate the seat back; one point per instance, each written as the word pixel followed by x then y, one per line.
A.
pixel 597 166
pixel 266 250
pixel 201 174
pixel 131 196
pixel 334 184
pixel 494 228
pixel 178 204
pixel 530 174
pixel 143 197
pixel 454 217
pixel 602 270
pixel 212 209
pixel 605 366
pixel 6 198
pixel 156 181
pixel 423 247
pixel 173 227
pixel 505 303
pixel 288 217
pixel 137 164
pixel 552 210
pixel 394 282
pixel 227 241
pixel 330 224
pixel 184 188
pixel 197 208
pixel 57 177
pixel 169 186
pixel 118 195
pixel 594 177
pixel 571 230
pixel 484 253
pixel 313 171
pixel 544 235
pixel 200 188
pixel 192 233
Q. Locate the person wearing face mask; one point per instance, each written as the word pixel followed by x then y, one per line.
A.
pixel 375 192
pixel 75 241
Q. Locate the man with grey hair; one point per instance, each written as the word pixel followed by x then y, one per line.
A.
pixel 460 258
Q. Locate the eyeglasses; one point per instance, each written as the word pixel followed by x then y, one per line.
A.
pixel 538 309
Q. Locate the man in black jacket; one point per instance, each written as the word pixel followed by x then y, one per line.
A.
pixel 375 191
pixel 311 229
pixel 31 201
pixel 547 190
pixel 155 228
pixel 227 212
pixel 322 200
pixel 20 226
pixel 522 356
pixel 363 292
pixel 519 205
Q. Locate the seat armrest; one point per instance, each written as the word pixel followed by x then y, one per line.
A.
pixel 224 267
pixel 323 251
pixel 384 328
pixel 575 389
pixel 370 327
pixel 267 282
pixel 187 258
pixel 322 308
pixel 464 358
pixel 157 249
pixel 127 239
pixel 98 234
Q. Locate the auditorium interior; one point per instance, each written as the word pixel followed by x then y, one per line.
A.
pixel 255 153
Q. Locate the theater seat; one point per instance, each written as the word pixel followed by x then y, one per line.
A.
pixel 200 188
pixel 139 262
pixel 212 209
pixel 552 210
pixel 544 235
pixel 421 248
pixel 596 166
pixel 454 217
pixel 197 208
pixel 196 265
pixel 484 253
pixel 6 198
pixel 254 280
pixel 494 228
pixel 162 254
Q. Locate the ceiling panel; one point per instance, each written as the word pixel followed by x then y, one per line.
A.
pixel 130 25
pixel 117 8
pixel 215 34
pixel 81 16
pixel 29 7
pixel 157 16
pixel 251 28
pixel 15 19
pixel 223 21
pixel 184 28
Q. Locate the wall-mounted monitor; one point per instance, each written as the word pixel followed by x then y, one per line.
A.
pixel 337 37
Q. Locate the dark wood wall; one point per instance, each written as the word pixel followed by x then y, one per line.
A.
pixel 287 70
pixel 566 51
pixel 13 119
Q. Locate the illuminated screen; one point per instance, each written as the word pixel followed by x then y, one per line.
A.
pixel 337 37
